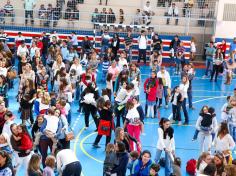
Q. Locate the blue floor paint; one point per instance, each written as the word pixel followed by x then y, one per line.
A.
pixel 212 93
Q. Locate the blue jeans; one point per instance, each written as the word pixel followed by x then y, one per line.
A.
pixel 177 65
pixel 232 131
pixel 190 98
pixel 183 105
pixel 103 50
pixel 77 92
pixel 129 51
pixel 208 66
pixel 168 164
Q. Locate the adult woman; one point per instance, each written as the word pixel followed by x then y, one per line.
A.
pixel 28 73
pixel 223 142
pixel 106 119
pixel 3 111
pixel 22 157
pixel 62 131
pixel 122 136
pixel 28 95
pixel 42 76
pixel 58 64
pixel 142 165
pixel 122 159
pixel 220 163
pixel 134 72
pixel 122 77
pixel 34 166
pixel 33 49
pixel 206 125
pixel 203 161
pixel 6 168
pixel 165 76
pixel 39 122
pixel 184 85
pixel 78 70
pixel 166 143
pixel 114 70
pixel 88 98
pixel 217 64
pixel 115 44
pixel 134 120
pixel 87 77
pixel 4 89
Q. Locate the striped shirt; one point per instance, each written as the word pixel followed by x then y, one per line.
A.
pixel 8 8
pixel 105 65
pixel 128 40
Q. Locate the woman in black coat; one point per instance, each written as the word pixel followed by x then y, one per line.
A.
pixel 122 160
pixel 115 44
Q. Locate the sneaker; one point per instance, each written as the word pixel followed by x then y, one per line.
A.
pixel 85 128
pixel 194 139
pixel 179 123
pixel 96 146
pixel 193 108
pixel 204 76
pixel 185 123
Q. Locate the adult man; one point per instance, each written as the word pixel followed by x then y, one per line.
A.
pixel 210 51
pixel 105 42
pixel 142 46
pixel 186 72
pixel 128 45
pixel 8 8
pixel 173 11
pixel 29 6
pixel 68 163
pixel 74 40
pixel 147 12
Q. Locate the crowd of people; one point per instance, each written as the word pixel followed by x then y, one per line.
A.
pixel 52 75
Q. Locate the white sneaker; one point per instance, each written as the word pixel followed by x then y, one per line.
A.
pixel 85 128
pixel 179 123
pixel 204 76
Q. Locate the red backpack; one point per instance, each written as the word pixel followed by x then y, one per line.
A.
pixel 191 167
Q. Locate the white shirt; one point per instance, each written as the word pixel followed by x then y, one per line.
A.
pixel 32 51
pixel 133 116
pixel 136 90
pixel 121 63
pixel 77 68
pixel 166 76
pixel 224 115
pixel 3 71
pixel 74 40
pixel 147 8
pixel 52 123
pixel 122 96
pixel 175 99
pixel 29 4
pixel 19 38
pixel 167 143
pixel 226 143
pixel 193 47
pixel 65 157
pixel 142 42
pixel 6 127
pixel 184 89
pixel 22 50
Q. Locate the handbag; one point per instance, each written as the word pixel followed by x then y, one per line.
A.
pixel 70 135
pixel 104 127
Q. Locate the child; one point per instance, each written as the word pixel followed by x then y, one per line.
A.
pixel 136 83
pixel 176 100
pixel 110 160
pixel 176 166
pixel 225 109
pixel 8 117
pixel 37 102
pixel 49 130
pixel 24 138
pixel 134 155
pixel 5 144
pixel 154 169
pixel 109 85
pixel 73 79
pixel 122 61
pixel 44 103
pixel 53 99
pixel 206 122
pixel 105 66
pixel 105 95
pixel 50 163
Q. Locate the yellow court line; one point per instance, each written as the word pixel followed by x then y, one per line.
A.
pixel 77 139
pixel 155 123
pixel 84 151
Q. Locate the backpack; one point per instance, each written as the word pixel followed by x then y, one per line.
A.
pixel 206 120
pixel 191 167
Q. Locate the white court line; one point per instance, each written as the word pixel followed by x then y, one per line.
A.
pixel 199 102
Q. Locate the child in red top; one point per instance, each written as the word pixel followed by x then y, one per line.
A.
pixel 223 47
pixel 24 137
pixel 150 87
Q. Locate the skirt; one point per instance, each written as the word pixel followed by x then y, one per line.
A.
pixel 151 103
pixel 25 114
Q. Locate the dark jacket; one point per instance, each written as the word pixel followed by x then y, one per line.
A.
pixel 123 159
pixel 179 97
pixel 174 44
